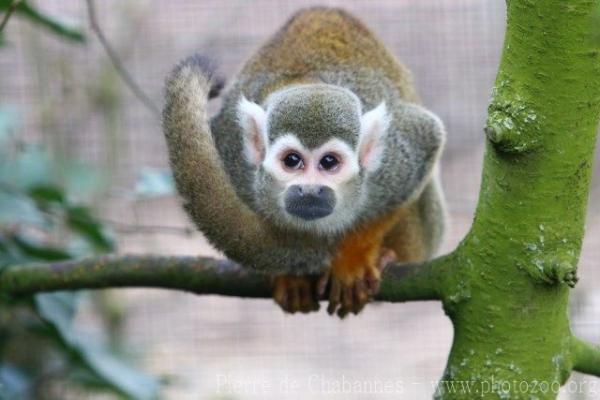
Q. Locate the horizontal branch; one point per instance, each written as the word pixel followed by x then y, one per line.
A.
pixel 415 281
pixel 193 274
pixel 586 357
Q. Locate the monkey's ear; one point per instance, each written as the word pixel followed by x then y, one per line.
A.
pixel 373 128
pixel 253 121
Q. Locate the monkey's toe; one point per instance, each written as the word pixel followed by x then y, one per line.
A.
pixel 295 293
pixel 348 298
pixel 350 293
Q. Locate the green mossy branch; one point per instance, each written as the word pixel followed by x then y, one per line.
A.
pixel 193 274
pixel 197 275
pixel 419 281
pixel 586 357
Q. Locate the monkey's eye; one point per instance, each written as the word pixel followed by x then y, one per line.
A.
pixel 293 161
pixel 329 162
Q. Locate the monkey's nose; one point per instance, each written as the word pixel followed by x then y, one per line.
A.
pixel 310 190
pixel 310 202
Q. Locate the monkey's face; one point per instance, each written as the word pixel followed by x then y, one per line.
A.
pixel 309 189
pixel 312 147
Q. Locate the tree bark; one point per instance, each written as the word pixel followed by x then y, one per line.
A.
pixel 508 297
pixel 199 275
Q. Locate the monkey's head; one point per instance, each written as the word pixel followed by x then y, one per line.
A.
pixel 311 146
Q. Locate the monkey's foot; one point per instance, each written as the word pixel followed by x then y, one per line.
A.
pixel 351 289
pixel 295 293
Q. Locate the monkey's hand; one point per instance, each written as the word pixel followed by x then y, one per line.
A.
pixel 296 293
pixel 352 280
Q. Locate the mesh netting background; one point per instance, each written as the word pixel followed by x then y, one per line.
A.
pixel 223 348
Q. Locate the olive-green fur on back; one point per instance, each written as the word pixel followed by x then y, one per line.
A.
pixel 319 39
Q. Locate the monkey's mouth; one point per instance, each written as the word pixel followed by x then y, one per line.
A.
pixel 309 208
pixel 309 202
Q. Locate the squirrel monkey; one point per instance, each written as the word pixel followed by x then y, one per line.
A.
pixel 318 163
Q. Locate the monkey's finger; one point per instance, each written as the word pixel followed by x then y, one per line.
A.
pixel 286 302
pixel 343 312
pixel 358 307
pixel 314 294
pixel 316 305
pixel 361 293
pixel 277 287
pixel 334 296
pixel 348 297
pixel 282 304
pixel 294 298
pixel 347 301
pixel 346 305
pixel 280 293
pixel 322 284
pixel 361 297
pixel 306 298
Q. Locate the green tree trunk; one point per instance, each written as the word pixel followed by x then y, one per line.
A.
pixel 508 293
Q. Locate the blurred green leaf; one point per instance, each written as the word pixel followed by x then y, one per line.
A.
pixel 39 191
pixel 154 183
pixel 44 193
pixel 59 27
pixel 59 309
pixel 125 379
pixel 38 251
pixel 81 221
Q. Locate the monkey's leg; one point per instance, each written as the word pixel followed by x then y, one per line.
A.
pixel 355 272
pixel 295 293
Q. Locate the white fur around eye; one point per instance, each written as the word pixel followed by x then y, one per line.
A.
pixel 272 162
pixel 348 156
pixel 253 121
pixel 373 128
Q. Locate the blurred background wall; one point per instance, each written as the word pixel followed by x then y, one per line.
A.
pixel 70 98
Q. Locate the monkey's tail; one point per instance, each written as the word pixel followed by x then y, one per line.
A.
pixel 209 197
pixel 207 67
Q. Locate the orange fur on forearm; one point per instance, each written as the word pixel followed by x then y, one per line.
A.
pixel 360 249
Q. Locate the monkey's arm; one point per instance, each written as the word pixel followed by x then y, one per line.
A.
pixel 197 169
pixel 208 194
